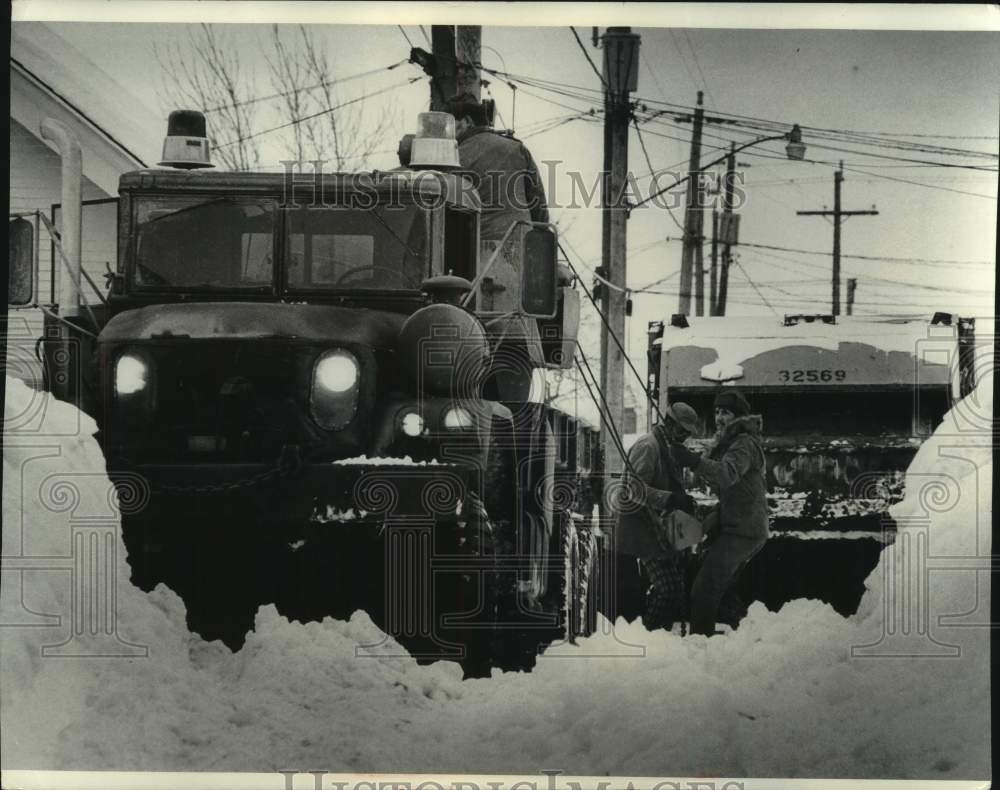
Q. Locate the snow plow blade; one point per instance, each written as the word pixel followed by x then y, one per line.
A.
pixel 401 541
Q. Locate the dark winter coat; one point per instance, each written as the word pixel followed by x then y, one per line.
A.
pixel 735 469
pixel 506 178
pixel 646 495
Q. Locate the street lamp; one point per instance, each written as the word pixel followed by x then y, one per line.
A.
pixel 794 150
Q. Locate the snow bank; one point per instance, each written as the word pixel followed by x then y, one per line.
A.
pixel 801 692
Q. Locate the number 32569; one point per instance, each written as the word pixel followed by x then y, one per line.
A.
pixel 812 375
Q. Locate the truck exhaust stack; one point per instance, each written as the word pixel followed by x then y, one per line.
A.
pixel 71 226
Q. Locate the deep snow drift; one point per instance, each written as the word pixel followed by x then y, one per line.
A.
pixel 782 696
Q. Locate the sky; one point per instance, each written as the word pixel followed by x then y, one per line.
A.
pixel 937 84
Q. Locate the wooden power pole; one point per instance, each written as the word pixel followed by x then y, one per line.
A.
pixel 713 287
pixel 621 63
pixel 468 52
pixel 837 214
pixel 444 77
pixel 728 222
pixel 692 212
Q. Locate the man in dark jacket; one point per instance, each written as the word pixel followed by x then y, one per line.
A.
pixel 501 168
pixel 734 467
pixel 652 488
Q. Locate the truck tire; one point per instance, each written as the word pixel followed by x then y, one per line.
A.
pixel 580 588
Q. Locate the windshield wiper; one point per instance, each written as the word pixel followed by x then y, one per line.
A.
pixel 213 201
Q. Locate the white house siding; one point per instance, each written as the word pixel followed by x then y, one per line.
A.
pixel 35 184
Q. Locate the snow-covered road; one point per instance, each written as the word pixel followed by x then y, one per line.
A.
pixel 782 696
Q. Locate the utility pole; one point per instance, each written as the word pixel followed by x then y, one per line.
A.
pixel 692 213
pixel 852 284
pixel 468 52
pixel 837 214
pixel 699 266
pixel 620 75
pixel 727 221
pixel 713 279
pixel 444 72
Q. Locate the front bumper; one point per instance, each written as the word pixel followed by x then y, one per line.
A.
pixel 373 490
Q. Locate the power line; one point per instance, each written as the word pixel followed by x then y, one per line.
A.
pixel 589 59
pixel 653 118
pixel 866 276
pixel 903 158
pixel 869 138
pixel 919 261
pixel 649 164
pixel 578 117
pixel 327 111
pixel 763 298
pixel 610 331
pixel 760 155
pixel 694 54
pixel 919 183
pixel 322 84
pixel 683 58
pixel 758 125
pixel 409 43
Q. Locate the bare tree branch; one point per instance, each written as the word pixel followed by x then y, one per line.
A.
pixel 206 73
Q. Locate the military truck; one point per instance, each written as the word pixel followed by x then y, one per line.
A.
pixel 846 402
pixel 315 389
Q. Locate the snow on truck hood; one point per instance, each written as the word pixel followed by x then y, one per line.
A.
pixel 252 320
pixel 879 350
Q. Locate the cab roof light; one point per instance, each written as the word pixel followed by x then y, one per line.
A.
pixel 434 146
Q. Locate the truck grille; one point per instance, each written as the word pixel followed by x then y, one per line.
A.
pixel 227 401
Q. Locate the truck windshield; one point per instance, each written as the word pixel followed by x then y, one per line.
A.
pixel 381 248
pixel 197 242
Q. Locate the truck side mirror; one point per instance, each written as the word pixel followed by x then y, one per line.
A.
pixel 538 274
pixel 21 274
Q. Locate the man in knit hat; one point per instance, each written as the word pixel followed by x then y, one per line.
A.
pixel 734 467
pixel 654 521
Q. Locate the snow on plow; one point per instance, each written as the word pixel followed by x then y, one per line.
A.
pixel 895 688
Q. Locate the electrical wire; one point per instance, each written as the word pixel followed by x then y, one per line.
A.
pixel 589 59
pixel 608 328
pixel 649 164
pixel 322 84
pixel 763 298
pixel 697 65
pixel 750 122
pixel 680 53
pixel 408 42
pixel 866 276
pixel 327 111
pixel 891 259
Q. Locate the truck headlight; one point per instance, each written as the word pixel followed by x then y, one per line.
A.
pixel 337 371
pixel 131 375
pixel 456 418
pixel 412 424
pixel 334 398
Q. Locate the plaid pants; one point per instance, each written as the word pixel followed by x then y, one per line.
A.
pixel 666 598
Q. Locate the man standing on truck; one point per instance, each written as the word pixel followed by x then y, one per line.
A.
pixel 734 467
pixel 653 489
pixel 501 168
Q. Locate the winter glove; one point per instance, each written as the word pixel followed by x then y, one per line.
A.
pixel 685 457
pixel 680 500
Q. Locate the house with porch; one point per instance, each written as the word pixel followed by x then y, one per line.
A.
pixel 49 78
